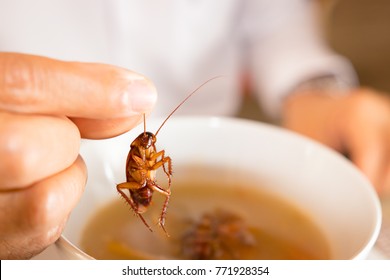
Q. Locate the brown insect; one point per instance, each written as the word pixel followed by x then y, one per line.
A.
pixel 219 234
pixel 142 163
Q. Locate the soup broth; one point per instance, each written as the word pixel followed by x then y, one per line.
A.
pixel 234 220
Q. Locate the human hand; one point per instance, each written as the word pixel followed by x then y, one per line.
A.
pixel 356 124
pixel 46 105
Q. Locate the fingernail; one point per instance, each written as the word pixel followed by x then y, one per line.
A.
pixel 143 95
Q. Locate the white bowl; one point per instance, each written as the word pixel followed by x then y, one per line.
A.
pixel 322 182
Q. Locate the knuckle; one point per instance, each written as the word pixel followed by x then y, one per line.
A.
pixel 31 221
pixel 50 201
pixel 18 160
pixel 47 237
pixel 27 247
pixel 41 212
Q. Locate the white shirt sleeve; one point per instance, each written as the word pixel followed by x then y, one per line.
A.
pixel 289 51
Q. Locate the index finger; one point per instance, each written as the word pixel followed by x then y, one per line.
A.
pixel 35 84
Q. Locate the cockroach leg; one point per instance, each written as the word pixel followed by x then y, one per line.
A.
pixel 140 163
pixel 161 220
pixel 169 173
pixel 129 185
pixel 167 193
pixel 164 160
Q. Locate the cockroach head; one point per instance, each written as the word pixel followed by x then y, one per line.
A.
pixel 147 139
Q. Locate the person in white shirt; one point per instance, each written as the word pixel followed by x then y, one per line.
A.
pixel 48 101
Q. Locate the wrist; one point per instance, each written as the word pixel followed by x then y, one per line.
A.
pixel 314 108
pixel 316 96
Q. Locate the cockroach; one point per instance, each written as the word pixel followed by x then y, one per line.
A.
pixel 142 163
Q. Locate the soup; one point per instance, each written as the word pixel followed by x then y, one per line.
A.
pixel 209 217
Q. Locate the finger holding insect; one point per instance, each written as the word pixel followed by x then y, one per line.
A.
pixel 36 84
pixel 102 100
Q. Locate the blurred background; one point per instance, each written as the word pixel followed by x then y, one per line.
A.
pixel 359 30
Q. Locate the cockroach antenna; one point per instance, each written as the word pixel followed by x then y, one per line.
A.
pixel 185 99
